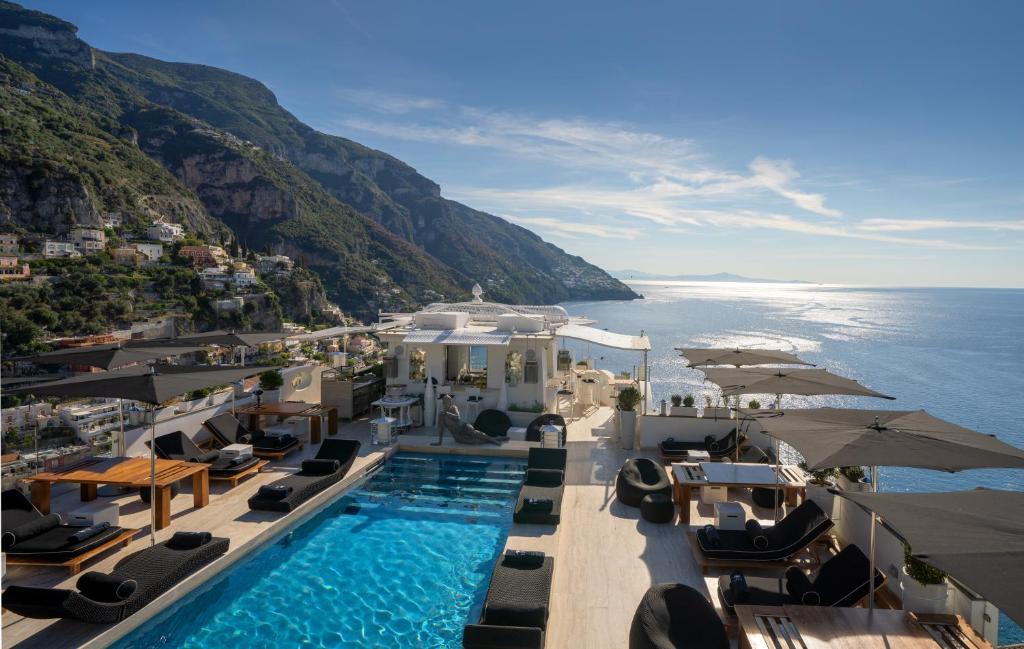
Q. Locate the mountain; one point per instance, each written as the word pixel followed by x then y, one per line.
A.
pixel 628 274
pixel 379 234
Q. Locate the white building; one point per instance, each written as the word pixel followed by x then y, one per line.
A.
pixel 25 417
pixel 166 232
pixel 59 249
pixel 88 241
pixel 112 220
pixel 92 419
pixel 8 244
pixel 215 277
pixel 151 251
pixel 274 264
pixel 245 278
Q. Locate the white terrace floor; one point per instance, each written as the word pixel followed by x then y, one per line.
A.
pixel 605 556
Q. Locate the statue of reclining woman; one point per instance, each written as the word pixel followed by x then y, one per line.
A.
pixel 462 431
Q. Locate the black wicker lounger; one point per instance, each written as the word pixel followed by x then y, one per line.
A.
pixel 332 462
pixel 674 616
pixel 780 541
pixel 29 537
pixel 228 430
pixel 672 450
pixel 515 612
pixel 540 498
pixel 841 581
pixel 178 446
pixel 104 599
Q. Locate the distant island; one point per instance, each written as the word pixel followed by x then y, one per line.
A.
pixel 716 277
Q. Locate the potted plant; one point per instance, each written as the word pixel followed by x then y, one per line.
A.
pixel 852 478
pixel 683 406
pixel 713 410
pixel 628 400
pixel 923 588
pixel 819 483
pixel 754 404
pixel 271 382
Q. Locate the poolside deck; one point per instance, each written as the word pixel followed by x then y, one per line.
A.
pixel 606 557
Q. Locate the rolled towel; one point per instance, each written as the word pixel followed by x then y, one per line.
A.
pixel 30 529
pixel 738 587
pixel 206 458
pixel 711 534
pixel 235 461
pixel 87 533
pixel 545 477
pixel 274 491
pixel 524 558
pixel 537 505
pixel 320 467
pixel 799 586
pixel 189 540
pixel 757 535
pixel 710 443
pixel 106 588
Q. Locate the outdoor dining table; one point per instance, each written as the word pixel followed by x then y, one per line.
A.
pixel 814 627
pixel 689 475
pixel 133 472
pixel 313 411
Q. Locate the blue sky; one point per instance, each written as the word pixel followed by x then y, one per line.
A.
pixel 866 142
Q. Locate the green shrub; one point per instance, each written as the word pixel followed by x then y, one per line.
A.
pixel 920 571
pixel 271 380
pixel 677 400
pixel 754 404
pixel 688 401
pixel 853 473
pixel 821 476
pixel 629 398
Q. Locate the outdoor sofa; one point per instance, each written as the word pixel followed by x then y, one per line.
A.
pixel 675 451
pixel 332 462
pixel 540 498
pixel 134 582
pixel 515 613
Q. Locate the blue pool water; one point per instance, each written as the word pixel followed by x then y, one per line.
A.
pixel 402 561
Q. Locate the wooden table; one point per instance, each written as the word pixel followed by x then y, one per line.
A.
pixel 689 475
pixel 313 411
pixel 126 472
pixel 821 627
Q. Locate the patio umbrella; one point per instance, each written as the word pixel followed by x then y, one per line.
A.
pixel 784 380
pixel 698 356
pixel 150 384
pixel 112 355
pixel 233 339
pixel 831 437
pixel 975 536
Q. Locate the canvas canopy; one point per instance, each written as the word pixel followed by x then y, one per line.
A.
pixel 112 355
pixel 604 338
pixel 698 356
pixel 834 437
pixel 782 380
pixel 456 337
pixel 232 339
pixel 975 536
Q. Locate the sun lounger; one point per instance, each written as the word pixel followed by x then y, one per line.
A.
pixel 105 599
pixel 841 581
pixel 30 538
pixel 228 430
pixel 780 542
pixel 641 477
pixel 673 451
pixel 672 616
pixel 515 612
pixel 178 446
pixel 540 498
pixel 332 462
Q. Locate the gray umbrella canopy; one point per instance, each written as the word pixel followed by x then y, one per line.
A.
pixel 112 355
pixel 698 356
pixel 783 380
pixel 154 384
pixel 233 339
pixel 975 536
pixel 832 437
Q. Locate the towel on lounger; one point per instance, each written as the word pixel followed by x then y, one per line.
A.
pixel 87 533
pixel 106 588
pixel 738 586
pixel 537 505
pixel 274 491
pixel 189 540
pixel 524 558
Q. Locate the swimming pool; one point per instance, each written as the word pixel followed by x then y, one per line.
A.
pixel 401 561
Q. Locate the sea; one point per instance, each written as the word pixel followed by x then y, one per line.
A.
pixel 956 352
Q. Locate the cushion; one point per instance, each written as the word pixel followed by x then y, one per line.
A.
pixel 189 540
pixel 206 458
pixel 537 504
pixel 545 477
pixel 274 491
pixel 87 533
pixel 524 558
pixel 106 588
pixel 711 533
pixel 530 614
pixel 711 443
pixel 757 534
pixel 800 587
pixel 30 529
pixel 320 467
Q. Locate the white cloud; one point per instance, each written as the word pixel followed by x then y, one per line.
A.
pixel 573 229
pixel 918 225
pixel 778 176
pixel 387 103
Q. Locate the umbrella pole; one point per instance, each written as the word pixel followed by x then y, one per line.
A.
pixel 152 476
pixel 120 418
pixel 778 464
pixel 871 555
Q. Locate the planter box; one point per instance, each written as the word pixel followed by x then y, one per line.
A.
pixel 522 419
pixel 716 413
pixel 682 411
pixel 627 429
pixel 920 598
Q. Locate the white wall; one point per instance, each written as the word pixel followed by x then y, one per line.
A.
pixel 655 429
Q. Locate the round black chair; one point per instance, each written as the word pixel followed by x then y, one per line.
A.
pixel 493 422
pixel 767 498
pixel 639 477
pixel 657 508
pixel 144 492
pixel 675 616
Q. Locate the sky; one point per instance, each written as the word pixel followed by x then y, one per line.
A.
pixel 837 142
